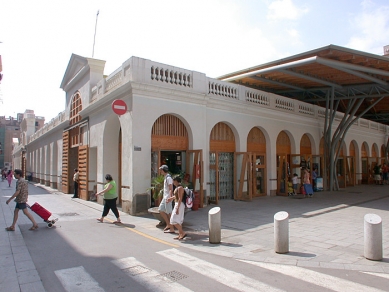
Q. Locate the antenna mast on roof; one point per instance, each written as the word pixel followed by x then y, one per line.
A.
pixel 94 38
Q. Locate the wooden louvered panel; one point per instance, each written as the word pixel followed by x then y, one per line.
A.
pixel 83 171
pixel 283 143
pixel 305 145
pixel 169 143
pixel 169 133
pixel 65 162
pixel 222 139
pixel 256 141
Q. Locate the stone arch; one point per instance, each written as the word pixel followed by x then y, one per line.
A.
pixel 222 138
pixel 166 129
pixel 222 147
pixel 305 145
pixel 383 150
pixel 365 150
pixel 256 141
pixel 374 150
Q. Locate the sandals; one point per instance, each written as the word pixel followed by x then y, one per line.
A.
pixel 180 237
pixel 116 222
pixel 100 220
pixel 10 228
pixel 35 227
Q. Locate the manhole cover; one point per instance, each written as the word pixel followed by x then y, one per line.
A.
pixel 136 270
pixel 68 214
pixel 173 276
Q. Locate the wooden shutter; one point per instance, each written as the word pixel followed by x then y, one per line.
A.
pixel 65 162
pixel 83 172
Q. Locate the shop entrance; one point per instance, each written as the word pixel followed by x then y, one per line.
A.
pixel 175 160
pixel 221 163
pixel 249 181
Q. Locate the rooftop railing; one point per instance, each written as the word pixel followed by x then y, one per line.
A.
pixel 144 71
pixel 54 122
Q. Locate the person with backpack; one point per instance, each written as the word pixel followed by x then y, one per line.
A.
pixel 165 207
pixel 177 217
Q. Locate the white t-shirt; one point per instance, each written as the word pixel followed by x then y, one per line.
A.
pixel 168 181
pixel 295 180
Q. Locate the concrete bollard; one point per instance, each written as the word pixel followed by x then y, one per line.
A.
pixel 373 237
pixel 281 232
pixel 215 223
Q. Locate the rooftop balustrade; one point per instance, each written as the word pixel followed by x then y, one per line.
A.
pixel 144 71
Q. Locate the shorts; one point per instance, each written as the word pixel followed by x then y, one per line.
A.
pixel 385 176
pixel 165 207
pixel 377 177
pixel 21 206
pixel 295 186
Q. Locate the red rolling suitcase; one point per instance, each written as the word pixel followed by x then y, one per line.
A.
pixel 43 213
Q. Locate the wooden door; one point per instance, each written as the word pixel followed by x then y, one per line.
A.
pixel 350 171
pixel 83 172
pixel 283 172
pixel 243 190
pixel 194 167
pixel 65 162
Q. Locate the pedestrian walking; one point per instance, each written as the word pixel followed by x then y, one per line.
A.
pixel 295 183
pixel 307 183
pixel 177 217
pixel 110 198
pixel 76 179
pixel 385 171
pixel 9 177
pixel 21 197
pixel 165 208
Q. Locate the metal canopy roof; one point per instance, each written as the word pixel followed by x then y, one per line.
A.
pixel 309 76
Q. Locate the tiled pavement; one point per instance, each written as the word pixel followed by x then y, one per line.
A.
pixel 324 231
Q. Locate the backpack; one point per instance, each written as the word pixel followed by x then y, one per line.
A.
pixel 188 197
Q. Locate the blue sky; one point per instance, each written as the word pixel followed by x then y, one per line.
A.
pixel 215 37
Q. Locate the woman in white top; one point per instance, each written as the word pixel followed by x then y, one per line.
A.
pixel 177 217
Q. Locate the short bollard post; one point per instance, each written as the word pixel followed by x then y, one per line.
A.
pixel 281 232
pixel 215 223
pixel 373 237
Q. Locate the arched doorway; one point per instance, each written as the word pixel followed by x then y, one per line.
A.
pixel 256 148
pixel 383 154
pixel 366 171
pixel 302 160
pixel 283 150
pixel 169 143
pixel 111 156
pixel 350 165
pixel 341 165
pixel 75 153
pixel 221 162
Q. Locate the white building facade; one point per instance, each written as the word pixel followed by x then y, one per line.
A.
pixel 233 142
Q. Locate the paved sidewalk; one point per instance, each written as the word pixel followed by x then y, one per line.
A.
pixel 17 270
pixel 324 231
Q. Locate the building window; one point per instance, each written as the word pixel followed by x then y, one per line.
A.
pixel 75 108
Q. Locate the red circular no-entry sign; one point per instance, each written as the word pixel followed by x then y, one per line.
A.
pixel 119 107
